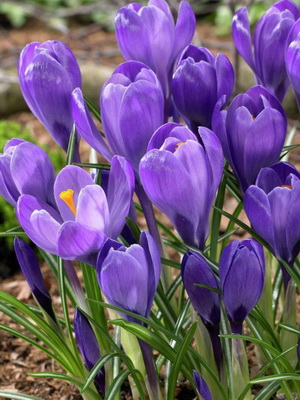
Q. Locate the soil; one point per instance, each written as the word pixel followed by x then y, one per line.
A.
pixel 17 358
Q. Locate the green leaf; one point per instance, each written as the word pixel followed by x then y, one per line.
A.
pixel 71 146
pixel 212 289
pixel 154 341
pixel 245 227
pixel 291 272
pixel 5 394
pixel 116 385
pixel 115 347
pixel 216 217
pixel 96 368
pixel 71 379
pixel 181 353
pixel 134 228
pixel 276 378
pixel 105 167
pixel 52 263
pixel 267 391
pixel 289 328
pixel 93 109
pixel 264 370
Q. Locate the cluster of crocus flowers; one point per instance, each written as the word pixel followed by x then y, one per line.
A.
pixel 160 40
pixel 270 40
pixel 177 168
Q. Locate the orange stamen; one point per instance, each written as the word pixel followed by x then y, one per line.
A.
pixel 179 144
pixel 286 186
pixel 67 197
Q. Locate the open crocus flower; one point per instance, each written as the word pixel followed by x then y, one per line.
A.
pixel 242 274
pixel 292 59
pixel 129 276
pixel 181 177
pixel 149 34
pixel 273 208
pixel 26 169
pixel 48 73
pixel 198 83
pixel 270 39
pixel 85 216
pixel 252 132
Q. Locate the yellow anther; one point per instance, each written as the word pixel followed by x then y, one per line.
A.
pixel 67 197
pixel 178 145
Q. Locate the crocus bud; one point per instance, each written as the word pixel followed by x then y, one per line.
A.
pixel 270 39
pixel 26 169
pixel 131 105
pixel 48 73
pixel 148 34
pixel 199 82
pixel 273 208
pixel 32 273
pixel 252 132
pixel 195 270
pixel 85 216
pixel 129 276
pixel 292 59
pixel 201 386
pixel 242 273
pixel 88 347
pixel 181 177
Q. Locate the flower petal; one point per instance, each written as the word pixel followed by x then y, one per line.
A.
pixel 92 208
pixel 85 125
pixel 242 36
pixel 74 178
pixel 119 193
pixel 79 242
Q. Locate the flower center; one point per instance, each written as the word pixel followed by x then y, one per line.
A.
pixel 178 145
pixel 67 197
pixel 286 186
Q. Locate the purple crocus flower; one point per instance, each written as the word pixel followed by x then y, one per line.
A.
pixel 252 132
pixel 273 208
pixel 292 59
pixel 131 110
pixel 198 83
pixel 149 34
pixel 85 216
pixel 48 73
pixel 131 105
pixel 242 273
pixel 32 273
pixel 195 270
pixel 26 169
pixel 270 39
pixel 201 386
pixel 181 177
pixel 129 276
pixel 88 347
